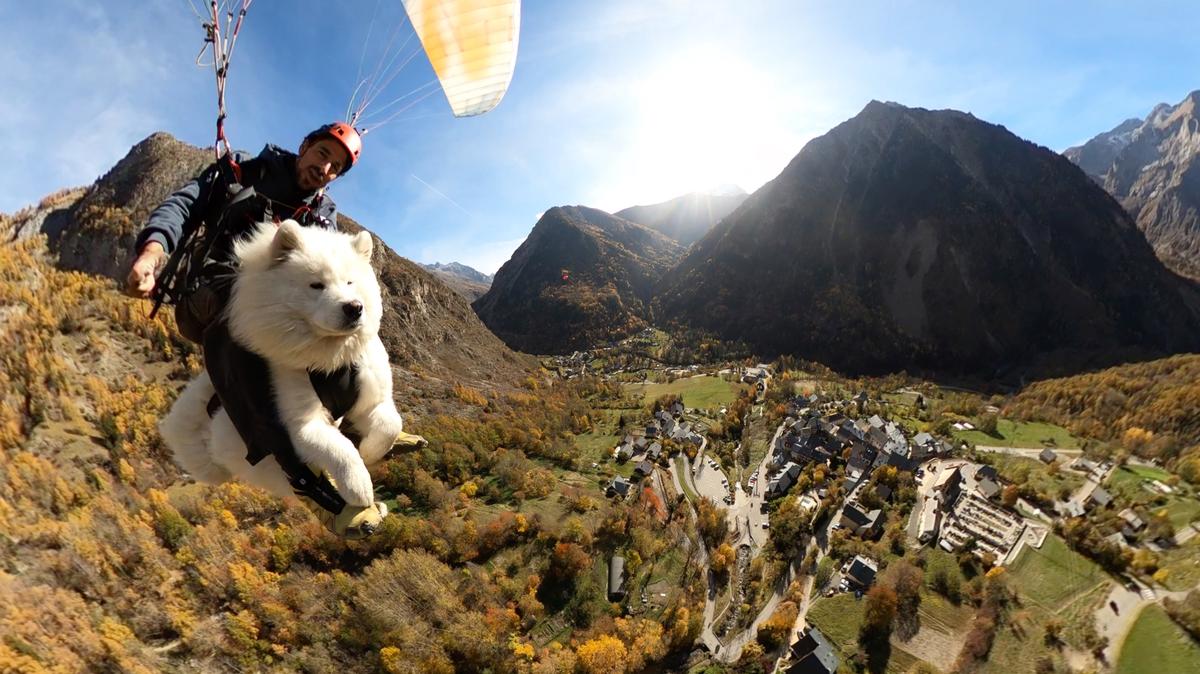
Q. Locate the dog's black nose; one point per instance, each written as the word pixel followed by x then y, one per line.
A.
pixel 353 310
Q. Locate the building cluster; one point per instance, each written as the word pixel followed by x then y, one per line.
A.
pixel 756 375
pixel 963 509
pixel 811 436
pixel 647 448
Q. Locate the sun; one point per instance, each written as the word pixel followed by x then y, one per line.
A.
pixel 701 118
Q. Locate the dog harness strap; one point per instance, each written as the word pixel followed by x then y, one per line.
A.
pixel 242 380
pixel 337 390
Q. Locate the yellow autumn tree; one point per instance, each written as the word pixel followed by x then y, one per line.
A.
pixel 603 655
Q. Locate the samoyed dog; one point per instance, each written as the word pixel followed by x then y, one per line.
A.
pixel 304 299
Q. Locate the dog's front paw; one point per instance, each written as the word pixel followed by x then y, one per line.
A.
pixel 355 486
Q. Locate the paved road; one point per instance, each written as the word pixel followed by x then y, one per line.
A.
pixel 1115 625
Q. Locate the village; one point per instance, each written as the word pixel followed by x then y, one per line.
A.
pixel 863 482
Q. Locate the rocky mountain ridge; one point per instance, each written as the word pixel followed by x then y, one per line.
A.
pixel 581 277
pixel 686 218
pixel 1155 175
pixel 462 279
pixel 931 241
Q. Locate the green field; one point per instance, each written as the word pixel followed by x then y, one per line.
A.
pixel 1128 484
pixel 1023 434
pixel 699 392
pixel 1054 575
pixel 680 468
pixel 838 618
pixel 1183 511
pixel 1051 581
pixel 1156 645
pixel 1147 472
pixel 1182 565
pixel 1026 471
pixel 756 442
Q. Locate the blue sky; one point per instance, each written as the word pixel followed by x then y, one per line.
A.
pixel 613 103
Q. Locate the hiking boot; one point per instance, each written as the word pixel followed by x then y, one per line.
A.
pixel 408 440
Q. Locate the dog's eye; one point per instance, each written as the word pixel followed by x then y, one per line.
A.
pixel 317 286
pixel 349 283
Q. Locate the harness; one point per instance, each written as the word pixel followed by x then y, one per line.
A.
pixel 191 264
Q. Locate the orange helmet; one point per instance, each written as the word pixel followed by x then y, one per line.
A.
pixel 344 134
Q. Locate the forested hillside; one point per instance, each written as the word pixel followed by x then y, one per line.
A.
pixel 1150 408
pixel 111 560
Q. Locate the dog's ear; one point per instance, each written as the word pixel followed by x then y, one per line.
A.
pixel 363 244
pixel 287 239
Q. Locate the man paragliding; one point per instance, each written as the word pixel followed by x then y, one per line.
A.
pixel 197 227
pixel 186 253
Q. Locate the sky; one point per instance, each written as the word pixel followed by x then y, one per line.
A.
pixel 613 103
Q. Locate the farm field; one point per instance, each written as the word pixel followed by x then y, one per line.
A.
pixel 1023 434
pixel 1156 645
pixel 700 392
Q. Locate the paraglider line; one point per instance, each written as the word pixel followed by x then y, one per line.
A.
pixel 401 110
pixel 401 98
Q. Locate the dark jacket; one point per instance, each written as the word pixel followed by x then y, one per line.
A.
pixel 271 174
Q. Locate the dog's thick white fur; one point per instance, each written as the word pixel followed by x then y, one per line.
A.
pixel 292 303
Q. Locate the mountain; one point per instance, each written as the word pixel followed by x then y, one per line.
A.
pixel 464 280
pixel 1156 177
pixel 580 278
pixel 687 218
pixel 1096 155
pixel 461 271
pixel 930 240
pixel 428 327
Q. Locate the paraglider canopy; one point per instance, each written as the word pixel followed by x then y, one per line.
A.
pixel 472 46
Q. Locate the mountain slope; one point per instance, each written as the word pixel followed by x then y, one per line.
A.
pixel 687 218
pixel 426 325
pixel 464 280
pixel 1156 177
pixel 610 265
pixel 1097 155
pixel 913 239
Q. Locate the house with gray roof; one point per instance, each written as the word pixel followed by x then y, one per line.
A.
pixel 813 654
pixel 618 487
pixel 643 469
pixel 858 520
pixel 616 578
pixel 861 572
pixel 1099 498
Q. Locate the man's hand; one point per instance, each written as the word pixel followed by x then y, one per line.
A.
pixel 140 282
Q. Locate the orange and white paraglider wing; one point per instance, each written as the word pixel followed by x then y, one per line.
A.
pixel 472 45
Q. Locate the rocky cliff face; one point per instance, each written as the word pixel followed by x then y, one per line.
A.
pixel 930 240
pixel 1156 177
pixel 1097 155
pixel 581 278
pixel 426 325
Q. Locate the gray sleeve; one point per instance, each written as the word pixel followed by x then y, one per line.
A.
pixel 178 214
pixel 327 214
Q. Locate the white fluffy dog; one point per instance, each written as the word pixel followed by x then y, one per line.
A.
pixel 305 299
